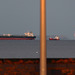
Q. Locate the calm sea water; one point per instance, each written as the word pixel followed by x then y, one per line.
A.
pixel 31 49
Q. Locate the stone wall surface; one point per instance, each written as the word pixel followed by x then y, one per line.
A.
pixel 32 67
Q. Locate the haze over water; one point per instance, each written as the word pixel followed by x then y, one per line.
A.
pixel 20 16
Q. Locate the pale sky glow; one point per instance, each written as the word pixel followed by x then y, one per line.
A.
pixel 20 16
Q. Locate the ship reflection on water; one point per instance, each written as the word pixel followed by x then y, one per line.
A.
pixel 31 66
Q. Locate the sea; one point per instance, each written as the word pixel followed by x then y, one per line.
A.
pixel 31 49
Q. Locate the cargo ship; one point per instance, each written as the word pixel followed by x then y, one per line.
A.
pixel 55 38
pixel 26 36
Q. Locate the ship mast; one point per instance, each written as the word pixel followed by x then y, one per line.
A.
pixel 43 37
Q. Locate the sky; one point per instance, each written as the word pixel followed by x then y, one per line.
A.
pixel 20 16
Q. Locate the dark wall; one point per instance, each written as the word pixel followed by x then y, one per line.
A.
pixel 31 67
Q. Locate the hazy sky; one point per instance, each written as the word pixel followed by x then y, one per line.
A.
pixel 19 16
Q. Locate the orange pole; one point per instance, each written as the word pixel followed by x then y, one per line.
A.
pixel 43 37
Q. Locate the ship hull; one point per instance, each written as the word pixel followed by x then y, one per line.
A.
pixel 17 38
pixel 53 39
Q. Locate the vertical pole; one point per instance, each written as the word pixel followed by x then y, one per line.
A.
pixel 43 37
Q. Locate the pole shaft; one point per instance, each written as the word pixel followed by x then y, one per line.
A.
pixel 43 37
